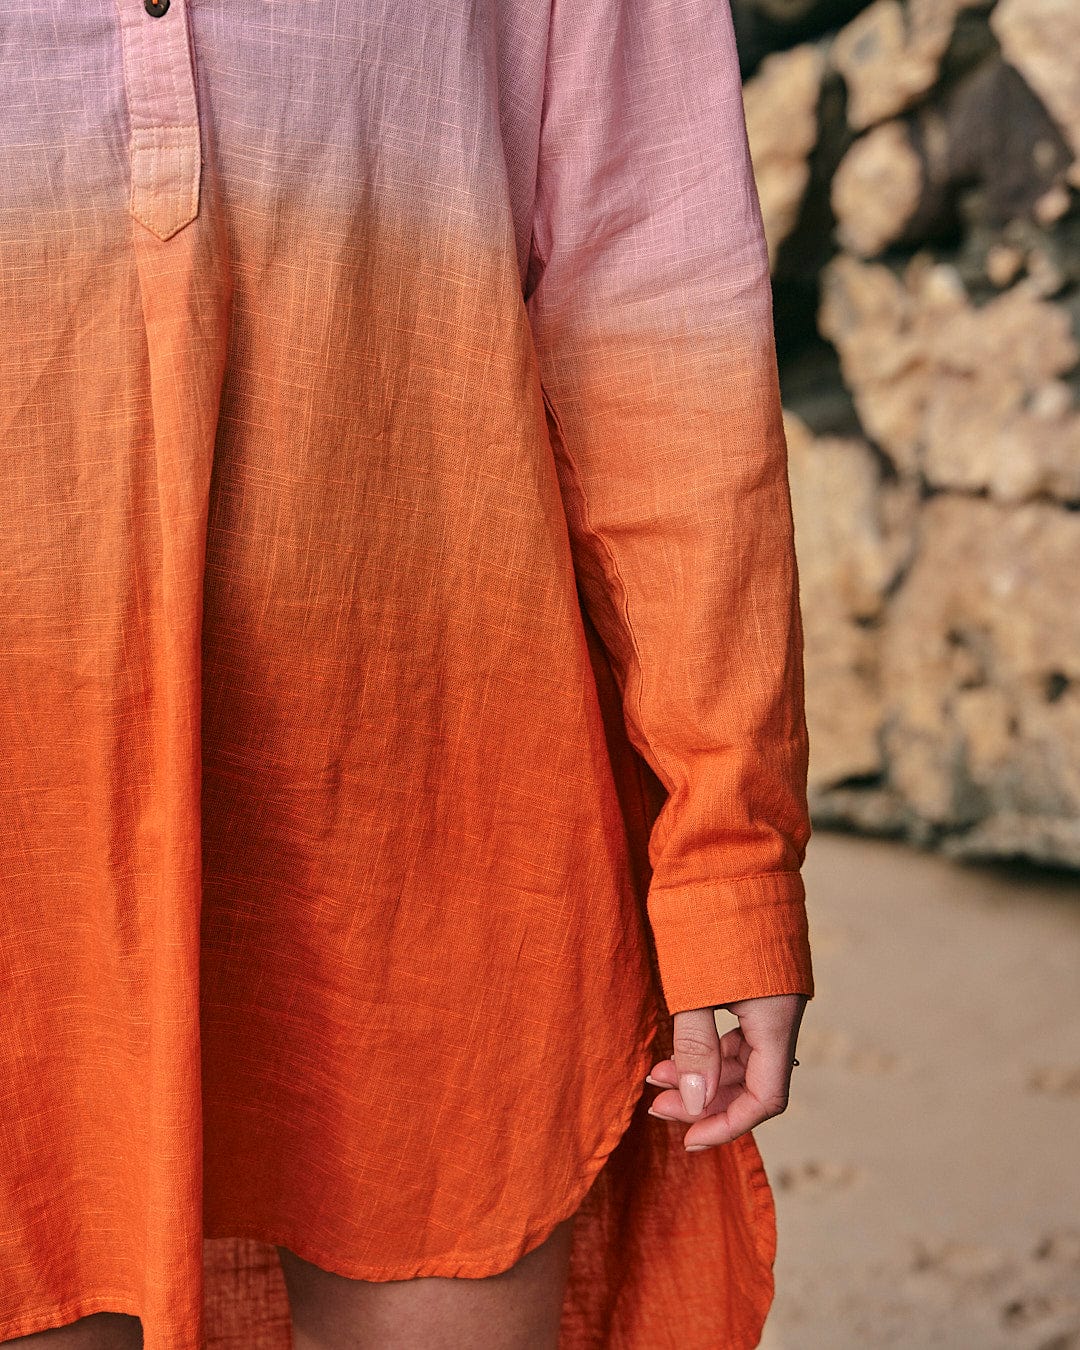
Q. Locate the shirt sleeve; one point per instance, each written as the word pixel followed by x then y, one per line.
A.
pixel 650 302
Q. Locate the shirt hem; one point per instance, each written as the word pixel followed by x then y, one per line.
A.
pixel 469 1265
pixel 756 1197
pixel 65 1313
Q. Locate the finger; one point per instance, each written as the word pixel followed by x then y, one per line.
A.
pixel 669 1105
pixel 696 1053
pixel 743 1114
pixel 663 1074
pixel 764 1096
pixel 734 1045
pixel 734 1052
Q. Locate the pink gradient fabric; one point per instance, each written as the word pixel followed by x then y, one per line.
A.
pixel 400 656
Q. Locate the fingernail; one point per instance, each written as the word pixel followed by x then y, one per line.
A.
pixel 692 1091
pixel 697 1148
pixel 659 1114
pixel 650 1079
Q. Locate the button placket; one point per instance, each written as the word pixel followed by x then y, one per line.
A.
pixel 166 157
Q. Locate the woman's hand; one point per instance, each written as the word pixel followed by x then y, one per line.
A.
pixel 723 1086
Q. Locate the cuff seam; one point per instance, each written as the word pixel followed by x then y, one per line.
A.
pixel 713 883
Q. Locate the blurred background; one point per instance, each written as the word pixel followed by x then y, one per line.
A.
pixel 918 163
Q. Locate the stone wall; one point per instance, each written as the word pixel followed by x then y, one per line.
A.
pixel 918 163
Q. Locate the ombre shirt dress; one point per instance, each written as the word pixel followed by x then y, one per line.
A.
pixel 400 655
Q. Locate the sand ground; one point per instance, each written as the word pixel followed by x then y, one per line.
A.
pixel 927 1169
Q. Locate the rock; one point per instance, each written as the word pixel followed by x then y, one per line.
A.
pixel 918 180
pixel 980 667
pixel 999 138
pixel 1011 834
pixel 1003 262
pixel 969 397
pixel 1041 38
pixel 901 181
pixel 889 55
pixel 1052 205
pixel 781 122
pixel 871 807
pixel 876 189
pixel 1045 278
pixel 852 536
pixel 866 313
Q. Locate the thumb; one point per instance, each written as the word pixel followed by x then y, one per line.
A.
pixel 696 1054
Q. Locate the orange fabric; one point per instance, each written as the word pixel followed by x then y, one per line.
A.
pixel 401 658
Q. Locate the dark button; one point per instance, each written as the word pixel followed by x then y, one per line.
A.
pixel 156 7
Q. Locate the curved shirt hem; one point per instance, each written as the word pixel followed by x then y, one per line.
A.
pixel 474 1265
pixel 64 1314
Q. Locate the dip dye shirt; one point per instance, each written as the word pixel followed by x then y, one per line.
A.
pixel 400 655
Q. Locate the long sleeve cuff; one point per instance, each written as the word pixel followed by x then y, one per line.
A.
pixel 723 940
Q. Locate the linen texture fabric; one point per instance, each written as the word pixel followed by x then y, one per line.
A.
pixel 400 656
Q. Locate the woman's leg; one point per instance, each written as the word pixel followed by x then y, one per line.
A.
pixel 517 1309
pixel 98 1331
